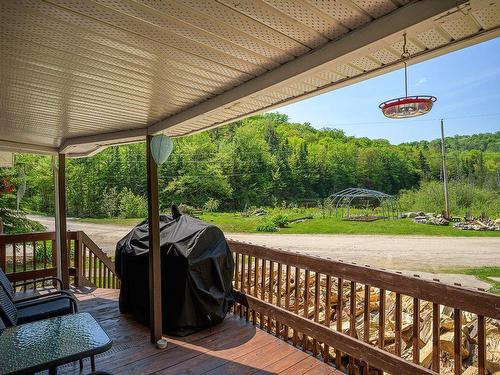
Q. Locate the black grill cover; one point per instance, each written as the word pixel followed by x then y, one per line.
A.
pixel 197 270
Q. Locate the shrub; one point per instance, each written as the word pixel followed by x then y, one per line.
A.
pixel 267 226
pixel 279 220
pixel 463 197
pixel 111 202
pixel 132 205
pixel 186 209
pixel 211 205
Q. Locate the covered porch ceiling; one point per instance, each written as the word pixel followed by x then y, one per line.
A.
pixel 79 75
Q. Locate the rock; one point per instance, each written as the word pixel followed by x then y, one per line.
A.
pixel 478 225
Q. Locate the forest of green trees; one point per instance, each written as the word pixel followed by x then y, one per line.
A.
pixel 259 161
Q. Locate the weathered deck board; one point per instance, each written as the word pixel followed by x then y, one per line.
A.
pixel 233 347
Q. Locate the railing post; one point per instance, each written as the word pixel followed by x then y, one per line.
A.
pixel 155 319
pixel 79 263
pixel 61 234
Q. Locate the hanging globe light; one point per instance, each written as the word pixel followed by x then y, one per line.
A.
pixel 161 148
pixel 407 106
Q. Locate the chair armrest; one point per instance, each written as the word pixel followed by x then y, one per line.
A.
pixel 38 296
pixel 43 279
pixel 41 301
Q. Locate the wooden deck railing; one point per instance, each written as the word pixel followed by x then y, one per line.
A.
pixel 355 317
pixel 29 256
pixel 326 307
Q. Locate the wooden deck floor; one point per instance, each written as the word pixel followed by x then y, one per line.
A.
pixel 232 347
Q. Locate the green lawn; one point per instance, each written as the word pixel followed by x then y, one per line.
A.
pixel 236 223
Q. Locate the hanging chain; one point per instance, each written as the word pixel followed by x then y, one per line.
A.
pixel 404 56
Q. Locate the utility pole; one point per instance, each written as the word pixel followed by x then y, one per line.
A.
pixel 445 174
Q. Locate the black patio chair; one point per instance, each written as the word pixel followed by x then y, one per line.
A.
pixel 9 289
pixel 41 308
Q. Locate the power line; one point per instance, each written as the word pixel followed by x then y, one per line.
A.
pixel 415 120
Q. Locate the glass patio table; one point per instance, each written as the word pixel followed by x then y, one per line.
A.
pixel 49 343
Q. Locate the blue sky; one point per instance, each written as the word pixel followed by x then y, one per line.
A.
pixel 466 83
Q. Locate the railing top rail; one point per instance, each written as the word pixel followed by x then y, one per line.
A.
pixel 474 301
pixel 6 239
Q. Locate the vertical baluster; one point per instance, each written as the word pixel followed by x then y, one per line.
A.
pixel 436 326
pixel 340 297
pixel 34 255
pixel 95 271
pixel 84 261
pixel 44 254
pixel 102 271
pixel 271 294
pixel 14 261
pixel 79 261
pixel 3 255
pixel 109 278
pixel 366 322
pixel 99 273
pixel 306 306
pixel 317 279
pixel 263 291
pixel 89 278
pixel 457 341
pixel 287 297
pixel 416 330
pixel 397 325
pixel 481 345
pixel 328 315
pixel 14 258
pixel 278 296
pixel 255 286
pixel 249 283
pixel 352 321
pixel 242 283
pixel 24 260
pixel 53 253
pixel 236 279
pixel 381 320
pixel 296 303
pixel 366 314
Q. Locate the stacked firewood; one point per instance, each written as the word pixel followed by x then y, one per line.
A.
pixel 469 328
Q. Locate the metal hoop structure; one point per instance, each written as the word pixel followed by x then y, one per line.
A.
pixel 345 198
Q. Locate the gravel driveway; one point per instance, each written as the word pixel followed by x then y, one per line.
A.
pixel 403 253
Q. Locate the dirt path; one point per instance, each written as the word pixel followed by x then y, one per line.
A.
pixel 403 253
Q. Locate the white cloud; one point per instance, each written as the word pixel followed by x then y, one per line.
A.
pixel 421 81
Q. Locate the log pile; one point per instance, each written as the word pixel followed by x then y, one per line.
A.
pixel 478 225
pixel 469 328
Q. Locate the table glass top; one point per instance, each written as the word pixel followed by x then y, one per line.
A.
pixel 33 344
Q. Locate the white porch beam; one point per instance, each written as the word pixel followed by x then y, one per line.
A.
pixel 98 141
pixel 26 147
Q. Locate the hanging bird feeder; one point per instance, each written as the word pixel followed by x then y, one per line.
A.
pixel 407 106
